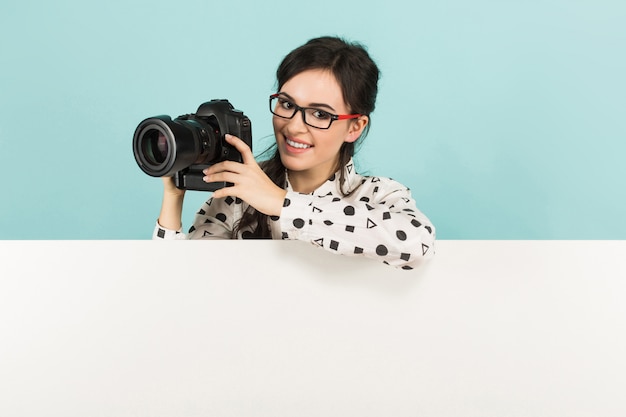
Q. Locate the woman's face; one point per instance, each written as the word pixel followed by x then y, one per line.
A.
pixel 305 149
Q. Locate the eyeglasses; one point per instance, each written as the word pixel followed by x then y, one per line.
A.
pixel 283 107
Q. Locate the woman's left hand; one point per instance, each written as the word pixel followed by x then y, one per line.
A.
pixel 250 183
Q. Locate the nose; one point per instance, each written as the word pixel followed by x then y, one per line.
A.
pixel 296 123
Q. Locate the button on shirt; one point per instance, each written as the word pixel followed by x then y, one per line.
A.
pixel 377 219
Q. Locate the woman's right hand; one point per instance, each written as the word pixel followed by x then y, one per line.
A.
pixel 169 187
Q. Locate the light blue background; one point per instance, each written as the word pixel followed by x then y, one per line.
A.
pixel 507 119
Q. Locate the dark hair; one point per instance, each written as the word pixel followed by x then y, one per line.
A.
pixel 357 75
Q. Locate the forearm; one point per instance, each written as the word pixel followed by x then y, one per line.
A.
pixel 394 232
pixel 171 211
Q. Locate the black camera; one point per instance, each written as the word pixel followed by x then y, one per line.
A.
pixel 183 147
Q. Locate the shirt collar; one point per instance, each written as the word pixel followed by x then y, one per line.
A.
pixel 332 185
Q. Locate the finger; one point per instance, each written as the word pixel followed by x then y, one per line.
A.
pixel 224 166
pixel 224 176
pixel 242 147
pixel 225 192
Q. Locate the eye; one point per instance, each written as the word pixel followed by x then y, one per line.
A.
pixel 285 104
pixel 320 114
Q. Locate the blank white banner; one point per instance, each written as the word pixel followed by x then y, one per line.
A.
pixel 277 328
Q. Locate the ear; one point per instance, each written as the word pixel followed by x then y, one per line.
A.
pixel 356 128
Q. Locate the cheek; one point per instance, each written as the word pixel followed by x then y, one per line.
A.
pixel 337 135
pixel 331 140
pixel 278 124
pixel 274 124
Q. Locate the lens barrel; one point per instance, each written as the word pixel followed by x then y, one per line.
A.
pixel 163 146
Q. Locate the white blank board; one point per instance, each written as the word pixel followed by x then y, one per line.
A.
pixel 277 328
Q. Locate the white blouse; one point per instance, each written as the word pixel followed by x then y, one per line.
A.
pixel 378 219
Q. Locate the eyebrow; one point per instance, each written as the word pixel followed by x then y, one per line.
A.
pixel 316 105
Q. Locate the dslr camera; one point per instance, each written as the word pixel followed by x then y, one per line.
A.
pixel 183 147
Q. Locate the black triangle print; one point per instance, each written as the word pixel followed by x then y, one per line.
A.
pixel 371 224
pixel 319 242
pixel 317 210
pixel 425 249
pixel 207 233
pixel 349 168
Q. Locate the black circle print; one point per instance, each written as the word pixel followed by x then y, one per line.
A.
pixel 381 250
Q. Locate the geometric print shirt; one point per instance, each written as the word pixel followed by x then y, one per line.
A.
pixel 378 219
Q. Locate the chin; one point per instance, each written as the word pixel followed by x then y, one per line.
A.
pixel 291 163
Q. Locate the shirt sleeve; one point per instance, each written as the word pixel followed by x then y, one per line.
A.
pixel 161 232
pixel 378 220
pixel 214 220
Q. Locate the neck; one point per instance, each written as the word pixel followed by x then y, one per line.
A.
pixel 307 181
pixel 304 182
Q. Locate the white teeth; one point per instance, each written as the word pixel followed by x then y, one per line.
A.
pixel 297 144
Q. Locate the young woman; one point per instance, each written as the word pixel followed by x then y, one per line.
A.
pixel 309 189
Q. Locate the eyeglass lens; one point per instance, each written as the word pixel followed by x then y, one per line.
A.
pixel 285 108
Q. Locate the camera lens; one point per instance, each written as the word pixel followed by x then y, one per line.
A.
pixel 155 147
pixel 163 146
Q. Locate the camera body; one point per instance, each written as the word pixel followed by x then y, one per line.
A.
pixel 183 147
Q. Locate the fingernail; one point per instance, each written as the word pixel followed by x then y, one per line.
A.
pixel 205 179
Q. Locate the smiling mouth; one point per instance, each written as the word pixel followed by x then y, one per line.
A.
pixel 297 145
